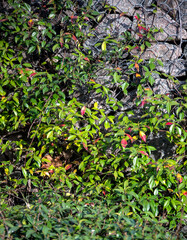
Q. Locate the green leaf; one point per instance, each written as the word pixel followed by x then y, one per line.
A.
pixel 32 49
pixel 45 230
pixel 168 107
pixel 24 172
pixel 166 203
pixel 2 92
pixel 71 137
pixel 151 80
pixel 50 134
pixel 148 44
pixel 160 62
pixel 107 125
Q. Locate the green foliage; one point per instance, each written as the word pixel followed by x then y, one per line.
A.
pixel 66 142
pixel 55 217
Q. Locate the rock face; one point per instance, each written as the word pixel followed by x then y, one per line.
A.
pixel 168 45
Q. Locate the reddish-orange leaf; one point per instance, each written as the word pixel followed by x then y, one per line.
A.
pixel 85 146
pixel 74 38
pixel 185 194
pixel 3 20
pixel 140 35
pixel 118 68
pixel 86 18
pixel 61 43
pixel 179 177
pixel 30 23
pixel 137 67
pixel 123 143
pixel 144 153
pixel 86 59
pixel 123 14
pixel 129 136
pixel 96 140
pixel 143 136
pixel 74 17
pixel 68 166
pixel 83 110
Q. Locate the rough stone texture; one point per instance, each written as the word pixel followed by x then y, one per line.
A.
pixel 171 29
pixel 114 25
pixel 161 86
pixel 163 51
pixel 124 6
pixel 176 68
pixel 174 9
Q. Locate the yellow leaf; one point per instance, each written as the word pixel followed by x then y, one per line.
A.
pixel 96 105
pixel 130 213
pixel 103 46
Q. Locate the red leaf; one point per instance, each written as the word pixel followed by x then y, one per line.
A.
pixel 86 18
pixel 140 35
pixel 169 123
pixel 149 163
pixel 144 153
pixel 74 17
pixel 96 140
pixel 185 194
pixel 68 166
pixel 32 74
pixel 85 146
pixel 142 103
pixel 61 44
pixel 74 38
pixel 137 18
pixel 129 136
pixel 179 177
pixel 123 143
pixel 104 193
pixel 86 59
pixel 83 110
pixel 3 20
pixel 143 136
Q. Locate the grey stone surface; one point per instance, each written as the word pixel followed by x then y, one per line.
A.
pixel 124 5
pixel 114 25
pixel 162 51
pixel 171 29
pixel 175 68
